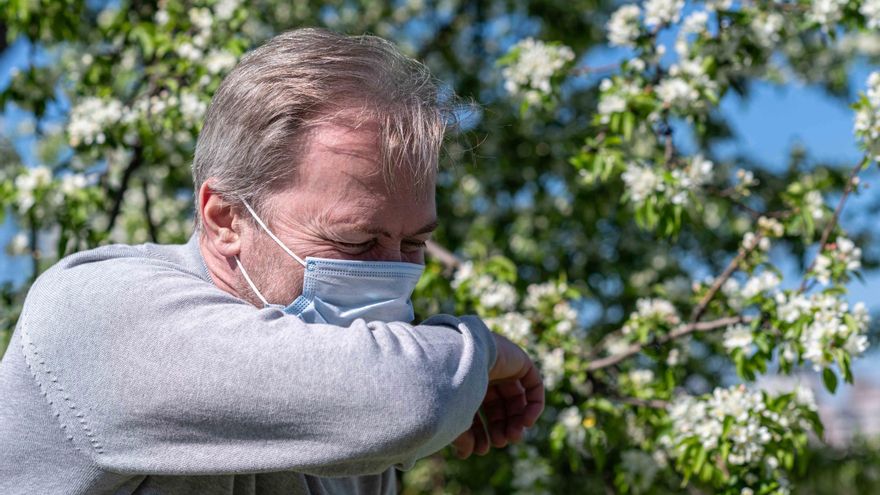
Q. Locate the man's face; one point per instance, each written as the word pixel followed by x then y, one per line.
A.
pixel 339 206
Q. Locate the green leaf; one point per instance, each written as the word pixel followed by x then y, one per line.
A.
pixel 830 379
pixel 629 121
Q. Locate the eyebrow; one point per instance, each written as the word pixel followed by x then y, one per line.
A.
pixel 429 227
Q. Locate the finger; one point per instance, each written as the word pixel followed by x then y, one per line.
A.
pixel 481 438
pixel 464 445
pixel 496 414
pixel 534 394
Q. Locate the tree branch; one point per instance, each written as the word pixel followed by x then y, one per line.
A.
pixel 677 333
pixel 137 160
pixel 449 260
pixel 700 309
pixel 635 401
pixel 151 226
pixel 826 233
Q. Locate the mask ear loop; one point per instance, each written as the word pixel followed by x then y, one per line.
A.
pixel 269 232
pixel 250 282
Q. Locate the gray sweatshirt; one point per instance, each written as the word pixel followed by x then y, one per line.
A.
pixel 129 371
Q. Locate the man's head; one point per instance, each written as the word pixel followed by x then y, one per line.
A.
pixel 334 141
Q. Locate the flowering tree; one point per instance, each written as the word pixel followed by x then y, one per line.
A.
pixel 641 276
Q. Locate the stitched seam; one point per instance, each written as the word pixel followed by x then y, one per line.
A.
pixel 342 271
pixel 96 445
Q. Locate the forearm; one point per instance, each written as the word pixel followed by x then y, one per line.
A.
pixel 215 386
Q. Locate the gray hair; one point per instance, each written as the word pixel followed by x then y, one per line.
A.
pixel 264 109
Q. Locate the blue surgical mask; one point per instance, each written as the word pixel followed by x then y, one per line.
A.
pixel 340 291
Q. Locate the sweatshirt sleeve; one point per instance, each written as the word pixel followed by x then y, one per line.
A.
pixel 153 370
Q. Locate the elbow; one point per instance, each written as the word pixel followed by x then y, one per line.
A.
pixel 431 415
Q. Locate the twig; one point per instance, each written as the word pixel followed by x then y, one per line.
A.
pixel 834 219
pixel 33 239
pixel 677 333
pixel 635 401
pixel 443 255
pixel 728 194
pixel 700 309
pixel 137 160
pixel 151 226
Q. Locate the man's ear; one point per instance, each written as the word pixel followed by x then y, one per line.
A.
pixel 220 221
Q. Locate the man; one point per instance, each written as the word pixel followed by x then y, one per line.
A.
pixel 273 352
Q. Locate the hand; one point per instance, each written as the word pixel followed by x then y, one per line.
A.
pixel 513 402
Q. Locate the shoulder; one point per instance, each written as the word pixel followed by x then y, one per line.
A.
pixel 111 287
pixel 114 271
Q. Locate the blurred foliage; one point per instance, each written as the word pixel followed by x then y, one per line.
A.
pixel 556 248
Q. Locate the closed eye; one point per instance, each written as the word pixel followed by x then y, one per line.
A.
pixel 415 245
pixel 359 245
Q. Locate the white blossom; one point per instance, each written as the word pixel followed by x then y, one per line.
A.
pixel 616 345
pixel 72 183
pixel 639 470
pixel 826 12
pixel 768 27
pixel 192 108
pixel 19 244
pixel 732 291
pixel 676 92
pixel 641 182
pixel 537 294
pixel 566 318
pixel 491 293
pixel 714 5
pixel 512 325
pixel 651 310
pixel 704 419
pixel 219 61
pixel 641 377
pixel 623 27
pixel 873 91
pixel 745 179
pixel 674 358
pixel 695 22
pixel 552 366
pixel 571 420
pixel 659 12
pixel 771 226
pixel 225 8
pixel 738 336
pixel 843 252
pixel 28 182
pixel 529 471
pixel 188 51
pixel 534 67
pixel 611 103
pixel 90 117
pixel 201 18
pixel 814 204
pixel 696 174
pixel 161 17
pixel 791 309
pixel 867 117
pixel 827 329
pixel 764 282
pixel 871 10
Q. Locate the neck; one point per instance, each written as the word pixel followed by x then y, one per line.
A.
pixel 220 268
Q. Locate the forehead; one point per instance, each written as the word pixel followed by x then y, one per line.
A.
pixel 341 176
pixel 343 151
